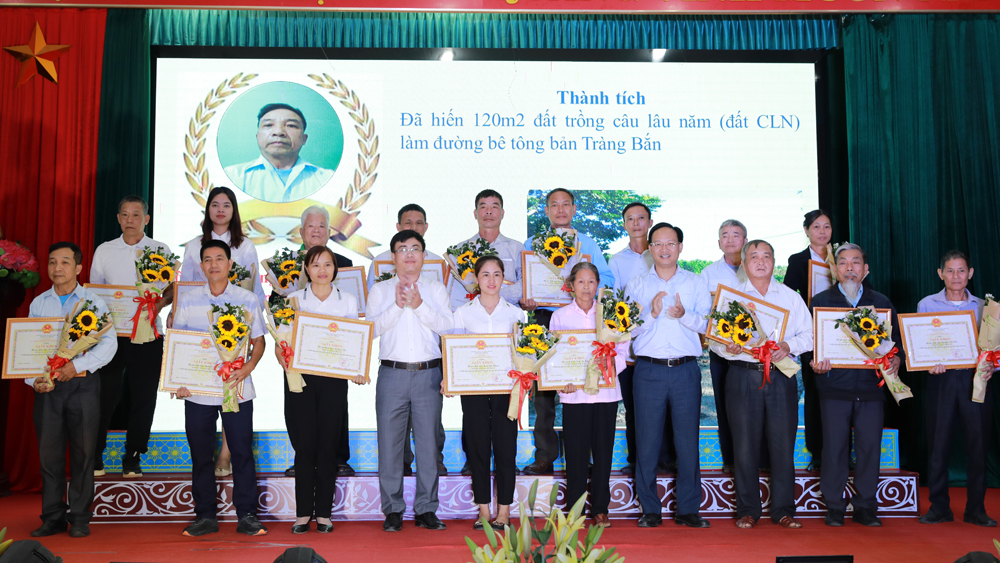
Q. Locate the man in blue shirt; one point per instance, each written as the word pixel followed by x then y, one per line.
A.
pixel 68 410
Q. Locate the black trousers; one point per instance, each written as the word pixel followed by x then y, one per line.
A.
pixel 839 417
pixel 667 451
pixel 199 422
pixel 812 418
pixel 756 412
pixel 485 424
pixel 317 418
pixel 589 427
pixel 544 430
pixel 68 415
pixel 949 403
pixel 719 367
pixel 140 363
pixel 343 447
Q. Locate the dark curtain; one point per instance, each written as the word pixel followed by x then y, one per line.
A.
pixel 923 97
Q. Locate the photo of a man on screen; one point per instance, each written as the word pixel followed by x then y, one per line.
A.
pixel 279 175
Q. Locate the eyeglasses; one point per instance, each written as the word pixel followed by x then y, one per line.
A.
pixel 667 245
pixel 408 249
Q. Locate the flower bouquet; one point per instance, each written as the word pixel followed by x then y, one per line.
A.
pixel 230 327
pixel 81 331
pixel 280 319
pixel 284 271
pixel 463 258
pixel 533 346
pixel 989 348
pixel 616 317
pixel 872 338
pixel 18 264
pixel 156 270
pixel 738 323
pixel 559 250
pixel 243 277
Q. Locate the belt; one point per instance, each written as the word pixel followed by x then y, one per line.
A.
pixel 752 366
pixel 669 363
pixel 412 366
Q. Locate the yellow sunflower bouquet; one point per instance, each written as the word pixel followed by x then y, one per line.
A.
pixel 230 328
pixel 83 328
pixel 463 258
pixel 280 324
pixel 243 277
pixel 533 346
pixel 989 348
pixel 156 269
pixel 737 322
pixel 284 271
pixel 616 317
pixel 874 339
pixel 558 248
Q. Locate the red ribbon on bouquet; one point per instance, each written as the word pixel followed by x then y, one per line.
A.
pixel 883 362
pixel 763 355
pixel 54 363
pixel 148 300
pixel 471 296
pixel 286 352
pixel 992 357
pixel 606 354
pixel 524 380
pixel 225 370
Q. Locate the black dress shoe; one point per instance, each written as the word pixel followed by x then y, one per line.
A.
pixel 981 519
pixel 537 469
pixel 442 469
pixel 49 528
pixel 834 518
pixel 290 472
pixel 466 470
pixel 345 470
pixel 692 520
pixel 629 469
pixel 300 528
pixel 407 470
pixel 866 517
pixel 936 518
pixel 393 522
pixel 79 530
pixel 201 527
pixel 430 521
pixel 650 520
pixel 324 528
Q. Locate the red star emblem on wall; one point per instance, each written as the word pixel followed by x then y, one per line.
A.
pixel 37 57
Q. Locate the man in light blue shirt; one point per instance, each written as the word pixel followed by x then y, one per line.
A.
pixel 68 409
pixel 279 175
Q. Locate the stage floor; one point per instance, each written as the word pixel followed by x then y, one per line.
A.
pixel 899 539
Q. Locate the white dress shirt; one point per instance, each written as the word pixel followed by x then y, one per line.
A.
pixel 259 179
pixel 509 251
pixel 48 304
pixel 798 331
pixel 720 272
pixel 627 264
pixel 192 314
pixel 572 317
pixel 114 263
pixel 472 317
pixel 667 338
pixel 387 255
pixel 337 304
pixel 245 255
pixel 407 334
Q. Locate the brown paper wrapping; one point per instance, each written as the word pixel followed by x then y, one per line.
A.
pixel 68 349
pixel 572 261
pixel 604 335
pixel 469 281
pixel 295 380
pixel 230 396
pixel 272 279
pixel 524 364
pixel 989 341
pixel 786 365
pixel 897 388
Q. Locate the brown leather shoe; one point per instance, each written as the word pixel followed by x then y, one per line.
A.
pixel 746 523
pixel 789 522
pixel 602 521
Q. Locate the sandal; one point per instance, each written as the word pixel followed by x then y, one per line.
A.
pixel 224 471
pixel 498 525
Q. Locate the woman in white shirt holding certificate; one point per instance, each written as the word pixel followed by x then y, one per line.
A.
pixel 484 417
pixel 319 409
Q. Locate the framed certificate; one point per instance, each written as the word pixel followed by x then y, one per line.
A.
pixel 948 338
pixel 352 280
pixel 331 346
pixel 189 360
pixel 569 363
pixel 28 345
pixel 820 278
pixel 181 288
pixel 831 343
pixel 539 283
pixel 119 300
pixel 436 270
pixel 477 364
pixel 773 319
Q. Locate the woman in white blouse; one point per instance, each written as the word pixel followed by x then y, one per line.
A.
pixel 484 417
pixel 588 420
pixel 318 410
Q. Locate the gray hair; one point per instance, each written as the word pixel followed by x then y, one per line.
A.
pixel 580 266
pixel 733 223
pixel 755 242
pixel 849 246
pixel 316 210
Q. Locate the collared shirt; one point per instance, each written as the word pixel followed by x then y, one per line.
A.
pixel 472 318
pixel 192 314
pixel 813 255
pixel 664 337
pixel 337 304
pixel 938 303
pixel 387 255
pixel 407 334
pixel 627 264
pixel 510 252
pixel 245 255
pixel 857 298
pixel 587 246
pixel 572 317
pixel 798 330
pixel 48 304
pixel 114 263
pixel 720 272
pixel 260 180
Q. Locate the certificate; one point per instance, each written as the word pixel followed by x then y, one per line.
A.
pixel 331 346
pixel 539 283
pixel 352 280
pixel 831 343
pixel 948 338
pixel 189 360
pixel 773 319
pixel 181 289
pixel 119 300
pixel 820 278
pixel 28 345
pixel 477 364
pixel 569 363
pixel 436 270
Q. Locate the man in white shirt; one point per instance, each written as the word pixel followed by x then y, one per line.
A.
pixel 766 403
pixel 201 413
pixel 67 411
pixel 114 264
pixel 667 379
pixel 409 312
pixel 279 175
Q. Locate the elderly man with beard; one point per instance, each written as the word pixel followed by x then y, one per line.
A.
pixel 852 398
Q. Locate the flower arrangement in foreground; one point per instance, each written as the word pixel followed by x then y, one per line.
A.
pixel 18 264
